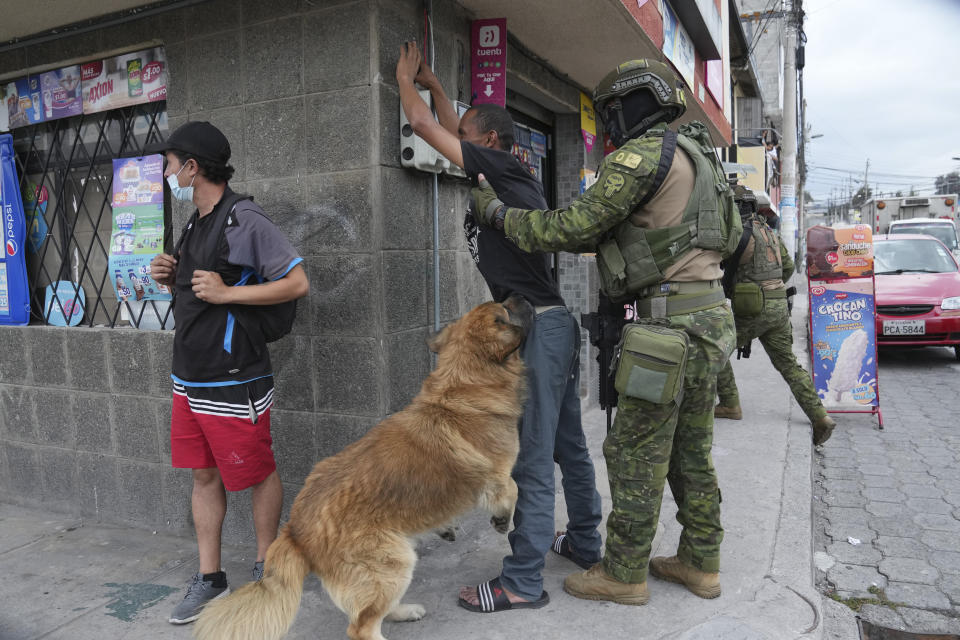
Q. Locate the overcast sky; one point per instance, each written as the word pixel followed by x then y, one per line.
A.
pixel 882 81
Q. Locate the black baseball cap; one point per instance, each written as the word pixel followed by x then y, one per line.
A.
pixel 199 139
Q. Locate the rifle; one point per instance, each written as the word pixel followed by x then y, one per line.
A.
pixel 605 326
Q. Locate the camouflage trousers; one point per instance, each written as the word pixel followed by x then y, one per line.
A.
pixel 775 332
pixel 649 443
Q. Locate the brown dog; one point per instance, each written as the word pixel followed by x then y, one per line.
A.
pixel 354 520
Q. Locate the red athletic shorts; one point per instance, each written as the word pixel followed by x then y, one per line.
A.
pixel 215 427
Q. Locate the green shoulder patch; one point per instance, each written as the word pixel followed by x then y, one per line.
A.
pixel 627 159
pixel 613 184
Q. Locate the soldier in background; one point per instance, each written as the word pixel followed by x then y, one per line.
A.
pixel 659 202
pixel 759 270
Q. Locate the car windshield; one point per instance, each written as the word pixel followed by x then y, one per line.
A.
pixel 945 233
pixel 911 255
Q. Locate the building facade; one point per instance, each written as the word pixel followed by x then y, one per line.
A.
pixel 305 92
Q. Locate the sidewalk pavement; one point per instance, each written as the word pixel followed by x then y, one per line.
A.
pixel 80 580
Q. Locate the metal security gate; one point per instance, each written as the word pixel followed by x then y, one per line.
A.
pixel 66 175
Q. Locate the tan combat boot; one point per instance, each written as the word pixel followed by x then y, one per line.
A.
pixel 705 585
pixel 595 584
pixel 823 429
pixel 731 413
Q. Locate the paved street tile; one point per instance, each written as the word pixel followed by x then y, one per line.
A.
pixel 855 579
pixel 882 616
pixel 938 522
pixel 929 505
pixel 946 561
pixel 880 494
pixel 939 540
pixel 862 554
pixel 845 499
pixel 950 585
pixel 851 515
pixel 903 527
pixel 921 490
pixel 909 570
pixel 886 481
pixel 893 546
pixel 888 509
pixel 920 621
pixel 922 596
pixel 843 530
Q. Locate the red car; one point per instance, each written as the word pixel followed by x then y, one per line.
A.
pixel 918 292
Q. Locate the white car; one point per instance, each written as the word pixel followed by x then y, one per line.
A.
pixel 943 229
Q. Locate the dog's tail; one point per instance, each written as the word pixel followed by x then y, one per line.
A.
pixel 260 610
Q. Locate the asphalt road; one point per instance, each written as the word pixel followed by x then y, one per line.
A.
pixel 887 502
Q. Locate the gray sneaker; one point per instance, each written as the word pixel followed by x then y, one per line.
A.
pixel 199 593
pixel 258 571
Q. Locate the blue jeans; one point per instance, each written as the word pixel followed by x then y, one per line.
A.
pixel 551 426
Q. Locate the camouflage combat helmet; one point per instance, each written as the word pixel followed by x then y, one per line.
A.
pixel 746 200
pixel 649 75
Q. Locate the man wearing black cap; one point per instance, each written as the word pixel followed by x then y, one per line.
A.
pixel 229 259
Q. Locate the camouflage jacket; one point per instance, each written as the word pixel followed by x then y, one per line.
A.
pixel 625 177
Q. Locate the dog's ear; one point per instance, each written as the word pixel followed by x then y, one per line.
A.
pixel 437 341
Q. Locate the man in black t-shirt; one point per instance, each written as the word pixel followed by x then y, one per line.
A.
pixel 480 143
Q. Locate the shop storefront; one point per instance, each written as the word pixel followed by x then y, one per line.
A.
pixel 306 95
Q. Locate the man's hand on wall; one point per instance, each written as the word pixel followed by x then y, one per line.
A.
pixel 425 77
pixel 409 63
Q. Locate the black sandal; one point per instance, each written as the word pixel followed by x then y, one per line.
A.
pixel 561 546
pixel 493 598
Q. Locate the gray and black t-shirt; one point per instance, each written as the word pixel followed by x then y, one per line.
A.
pixel 210 347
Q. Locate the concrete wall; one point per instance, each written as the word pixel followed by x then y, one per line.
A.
pixel 305 91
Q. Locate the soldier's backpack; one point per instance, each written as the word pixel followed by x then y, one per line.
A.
pixel 742 280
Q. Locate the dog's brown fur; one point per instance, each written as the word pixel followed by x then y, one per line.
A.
pixel 353 523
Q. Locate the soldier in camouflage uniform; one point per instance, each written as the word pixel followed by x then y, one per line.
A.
pixel 765 263
pixel 639 193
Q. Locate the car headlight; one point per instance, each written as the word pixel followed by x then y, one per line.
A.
pixel 950 304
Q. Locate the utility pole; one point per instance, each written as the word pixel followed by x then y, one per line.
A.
pixel 866 181
pixel 800 62
pixel 788 167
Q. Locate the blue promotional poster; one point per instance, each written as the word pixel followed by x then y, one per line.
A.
pixel 137 234
pixel 844 343
pixel 14 291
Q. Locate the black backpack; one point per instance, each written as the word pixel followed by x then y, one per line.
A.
pixel 269 321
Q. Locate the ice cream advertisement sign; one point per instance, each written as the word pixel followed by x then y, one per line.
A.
pixel 840 252
pixel 844 343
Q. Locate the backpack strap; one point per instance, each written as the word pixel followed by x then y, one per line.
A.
pixel 223 217
pixel 663 167
pixel 732 263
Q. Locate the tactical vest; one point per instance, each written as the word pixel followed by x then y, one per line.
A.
pixel 632 258
pixel 765 262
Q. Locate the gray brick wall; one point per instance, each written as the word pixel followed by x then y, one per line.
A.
pixel 306 94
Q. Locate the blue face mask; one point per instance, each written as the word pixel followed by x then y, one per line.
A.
pixel 184 194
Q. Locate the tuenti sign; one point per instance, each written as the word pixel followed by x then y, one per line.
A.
pixel 488 61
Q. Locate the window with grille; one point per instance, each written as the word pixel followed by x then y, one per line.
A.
pixel 66 165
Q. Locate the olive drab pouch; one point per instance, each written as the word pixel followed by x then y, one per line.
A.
pixel 747 299
pixel 712 207
pixel 650 363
